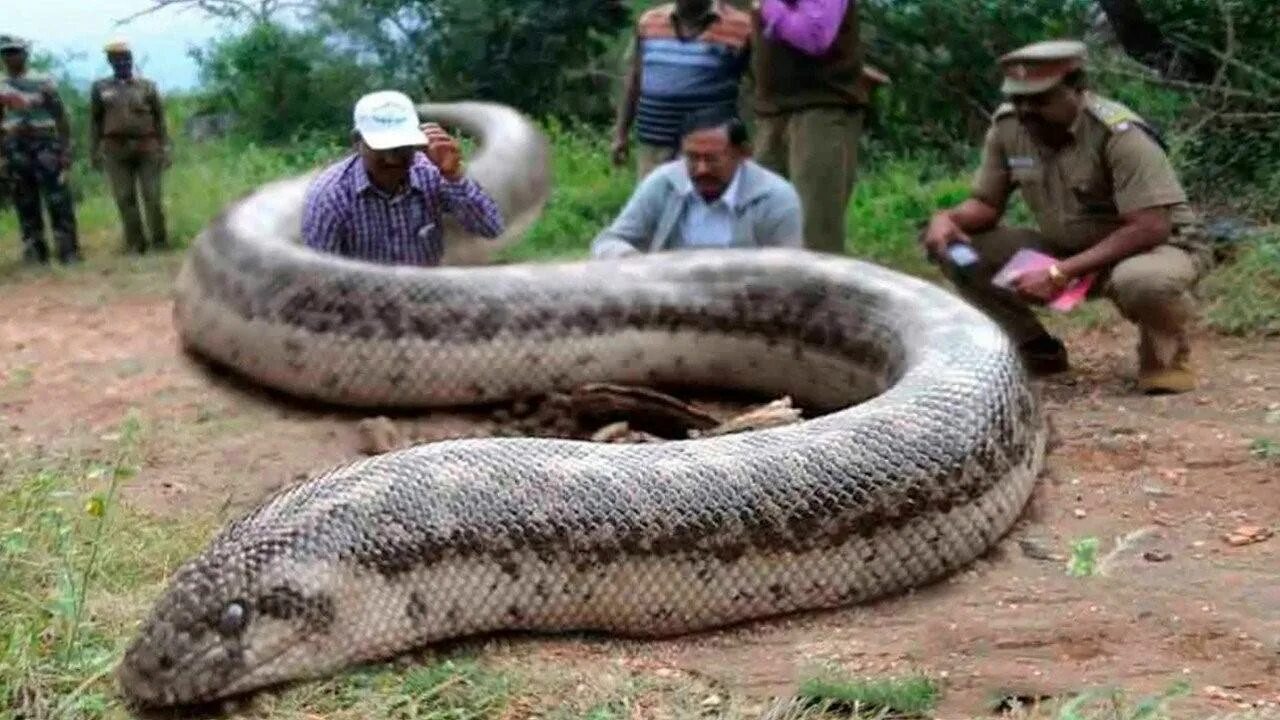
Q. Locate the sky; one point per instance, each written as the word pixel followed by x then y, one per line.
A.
pixel 160 40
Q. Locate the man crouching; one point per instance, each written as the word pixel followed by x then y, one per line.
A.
pixel 386 202
pixel 1106 201
pixel 712 196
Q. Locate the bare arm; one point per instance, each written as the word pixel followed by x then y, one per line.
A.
pixel 1145 186
pixel 1142 230
pixel 627 106
pixel 975 215
pixel 955 224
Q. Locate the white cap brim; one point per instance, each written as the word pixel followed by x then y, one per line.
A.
pixel 394 138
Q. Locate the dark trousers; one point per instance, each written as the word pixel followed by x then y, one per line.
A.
pixel 37 175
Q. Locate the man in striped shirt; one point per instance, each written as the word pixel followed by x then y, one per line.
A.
pixel 687 56
pixel 386 202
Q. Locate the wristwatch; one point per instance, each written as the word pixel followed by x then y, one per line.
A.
pixel 1058 277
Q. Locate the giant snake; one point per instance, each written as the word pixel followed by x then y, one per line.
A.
pixel 923 445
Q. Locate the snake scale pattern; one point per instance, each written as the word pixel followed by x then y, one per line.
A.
pixel 923 444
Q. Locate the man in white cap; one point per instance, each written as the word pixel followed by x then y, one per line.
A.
pixel 1107 202
pixel 386 202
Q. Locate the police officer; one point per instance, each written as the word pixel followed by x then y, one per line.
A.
pixel 128 138
pixel 1106 201
pixel 35 144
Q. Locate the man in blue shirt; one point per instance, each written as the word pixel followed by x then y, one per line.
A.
pixel 713 196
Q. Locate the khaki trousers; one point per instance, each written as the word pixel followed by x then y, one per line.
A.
pixel 132 166
pixel 817 150
pixel 1153 290
pixel 649 157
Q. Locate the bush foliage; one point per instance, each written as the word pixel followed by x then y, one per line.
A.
pixel 565 60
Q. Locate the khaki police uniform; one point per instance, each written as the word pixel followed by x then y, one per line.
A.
pixel 128 135
pixel 1077 195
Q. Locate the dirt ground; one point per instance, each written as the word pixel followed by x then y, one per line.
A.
pixel 1160 482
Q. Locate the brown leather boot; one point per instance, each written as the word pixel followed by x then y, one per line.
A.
pixel 1159 378
pixel 1044 355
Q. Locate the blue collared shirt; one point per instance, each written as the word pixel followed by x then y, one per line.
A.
pixel 708 224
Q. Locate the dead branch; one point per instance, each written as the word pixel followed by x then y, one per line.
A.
pixel 1202 88
pixel 1243 116
pixel 257 11
pixel 1230 52
pixel 777 413
pixel 1227 60
pixel 642 408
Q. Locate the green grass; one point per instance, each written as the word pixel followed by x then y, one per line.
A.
pixel 1107 703
pixel 1265 449
pixel 69 574
pixel 829 692
pixel 1244 295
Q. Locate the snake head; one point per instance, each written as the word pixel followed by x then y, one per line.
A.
pixel 193 643
pixel 221 628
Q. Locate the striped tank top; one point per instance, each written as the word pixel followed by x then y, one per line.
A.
pixel 680 75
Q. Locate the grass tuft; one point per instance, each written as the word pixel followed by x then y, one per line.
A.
pixel 1108 704
pixel 831 694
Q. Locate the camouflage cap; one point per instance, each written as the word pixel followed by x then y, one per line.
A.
pixel 12 42
pixel 1039 66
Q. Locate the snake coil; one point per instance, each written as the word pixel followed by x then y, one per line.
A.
pixel 923 446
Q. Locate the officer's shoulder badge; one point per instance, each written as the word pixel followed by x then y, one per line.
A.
pixel 1116 116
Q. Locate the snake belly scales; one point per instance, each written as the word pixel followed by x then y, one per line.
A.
pixel 923 445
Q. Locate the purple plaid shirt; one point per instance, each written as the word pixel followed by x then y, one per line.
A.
pixel 346 214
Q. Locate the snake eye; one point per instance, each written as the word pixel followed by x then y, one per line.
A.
pixel 233 619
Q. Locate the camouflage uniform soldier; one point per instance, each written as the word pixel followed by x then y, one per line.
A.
pixel 127 136
pixel 35 142
pixel 1106 200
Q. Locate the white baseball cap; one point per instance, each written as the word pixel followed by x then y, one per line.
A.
pixel 388 119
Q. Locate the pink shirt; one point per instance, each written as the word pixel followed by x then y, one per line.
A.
pixel 810 26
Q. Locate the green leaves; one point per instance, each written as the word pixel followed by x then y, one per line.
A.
pixel 941 55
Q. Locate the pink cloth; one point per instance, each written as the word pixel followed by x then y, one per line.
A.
pixel 810 26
